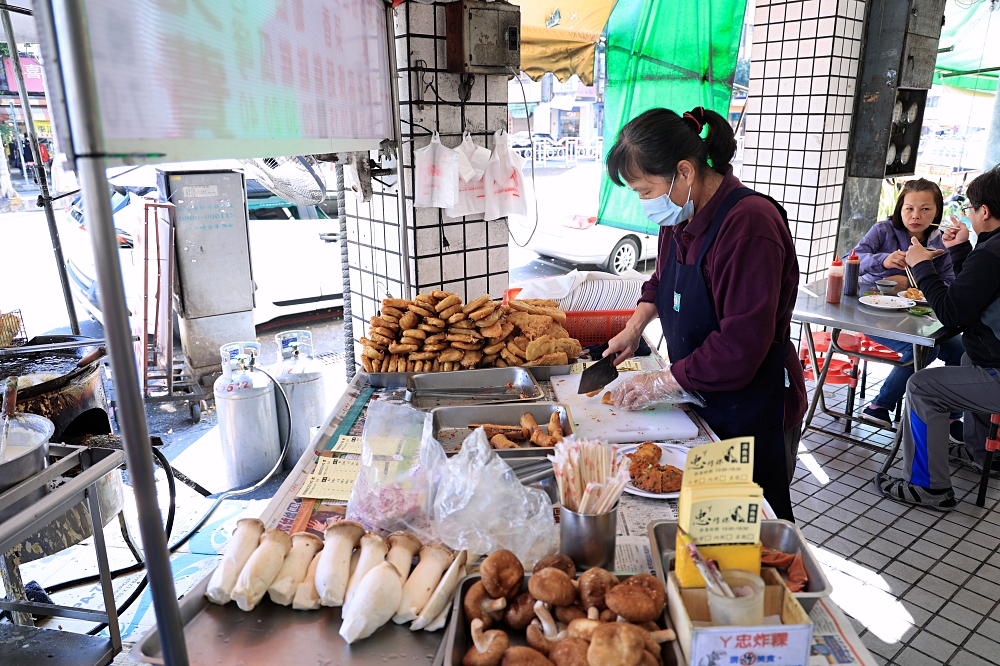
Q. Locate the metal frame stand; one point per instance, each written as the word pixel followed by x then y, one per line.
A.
pixel 45 201
pixel 22 642
pixel 819 400
pixel 69 22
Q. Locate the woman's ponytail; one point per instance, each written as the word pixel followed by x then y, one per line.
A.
pixel 719 140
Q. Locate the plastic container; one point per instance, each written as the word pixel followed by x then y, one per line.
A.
pixel 739 611
pixel 588 539
pixel 835 281
pixel 852 274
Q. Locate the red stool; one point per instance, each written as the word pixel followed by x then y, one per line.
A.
pixel 992 444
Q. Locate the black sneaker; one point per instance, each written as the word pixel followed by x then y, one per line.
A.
pixel 877 415
pixel 956 432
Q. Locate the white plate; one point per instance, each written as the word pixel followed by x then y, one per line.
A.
pixel 887 302
pixel 672 455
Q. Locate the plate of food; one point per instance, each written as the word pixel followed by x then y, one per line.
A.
pixel 887 302
pixel 914 294
pixel 656 469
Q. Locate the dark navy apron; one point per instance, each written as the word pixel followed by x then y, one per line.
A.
pixel 688 317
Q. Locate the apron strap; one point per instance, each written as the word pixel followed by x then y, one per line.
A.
pixel 727 204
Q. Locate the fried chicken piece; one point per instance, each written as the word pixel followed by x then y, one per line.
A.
pixel 549 345
pixel 556 331
pixel 500 441
pixel 555 358
pixel 532 326
pixel 659 479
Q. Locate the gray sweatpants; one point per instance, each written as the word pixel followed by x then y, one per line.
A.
pixel 931 395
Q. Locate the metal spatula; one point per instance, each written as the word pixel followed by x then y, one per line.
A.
pixel 599 375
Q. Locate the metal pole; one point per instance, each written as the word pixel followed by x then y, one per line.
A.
pixel 43 185
pixel 81 96
pixel 397 130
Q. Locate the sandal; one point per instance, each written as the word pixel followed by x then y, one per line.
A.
pixel 960 456
pixel 905 492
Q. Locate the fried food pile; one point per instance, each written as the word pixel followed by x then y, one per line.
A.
pixel 435 332
pixel 504 436
pixel 648 474
pixel 914 294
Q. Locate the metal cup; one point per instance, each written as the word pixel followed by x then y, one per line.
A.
pixel 589 540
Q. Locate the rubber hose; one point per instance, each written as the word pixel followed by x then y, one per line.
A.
pixel 135 568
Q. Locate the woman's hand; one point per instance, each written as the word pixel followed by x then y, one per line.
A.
pixel 625 343
pixel 955 235
pixel 643 388
pixel 895 260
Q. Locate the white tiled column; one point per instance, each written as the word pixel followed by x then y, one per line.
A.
pixel 803 73
pixel 465 255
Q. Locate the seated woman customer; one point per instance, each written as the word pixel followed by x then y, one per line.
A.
pixel 971 302
pixel 882 252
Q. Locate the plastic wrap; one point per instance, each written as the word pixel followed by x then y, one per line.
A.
pixel 481 506
pixel 645 390
pixel 400 460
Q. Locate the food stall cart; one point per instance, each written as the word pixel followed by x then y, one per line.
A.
pixel 269 634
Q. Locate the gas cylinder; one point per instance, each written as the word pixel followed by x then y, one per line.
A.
pixel 302 378
pixel 248 426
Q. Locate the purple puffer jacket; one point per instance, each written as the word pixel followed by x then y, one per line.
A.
pixel 883 239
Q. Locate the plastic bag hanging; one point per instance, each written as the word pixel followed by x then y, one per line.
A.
pixel 472 161
pixel 505 194
pixel 436 175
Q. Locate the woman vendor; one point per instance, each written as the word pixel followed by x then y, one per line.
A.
pixel 724 287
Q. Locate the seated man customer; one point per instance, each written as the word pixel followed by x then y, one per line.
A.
pixel 971 302
pixel 882 251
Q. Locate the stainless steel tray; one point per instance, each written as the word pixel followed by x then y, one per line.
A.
pixel 272 635
pixel 522 385
pixel 778 534
pixel 388 379
pixel 451 424
pixel 398 379
pixel 458 638
pixel 544 373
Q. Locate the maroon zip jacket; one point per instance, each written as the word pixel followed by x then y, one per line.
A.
pixel 752 275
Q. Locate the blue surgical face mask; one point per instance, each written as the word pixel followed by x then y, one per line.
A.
pixel 664 212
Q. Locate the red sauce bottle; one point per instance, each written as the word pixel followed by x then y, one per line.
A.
pixel 835 281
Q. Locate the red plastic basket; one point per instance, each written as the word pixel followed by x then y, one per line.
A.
pixel 596 327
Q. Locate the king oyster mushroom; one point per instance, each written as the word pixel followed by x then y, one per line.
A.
pixel 334 568
pixel 261 569
pixel 434 560
pixel 372 551
pixel 306 596
pixel 294 568
pixel 442 593
pixel 403 547
pixel 245 539
pixel 377 596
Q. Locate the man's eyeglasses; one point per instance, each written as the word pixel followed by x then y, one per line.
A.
pixel 967 208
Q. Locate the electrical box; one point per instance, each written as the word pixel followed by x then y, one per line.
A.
pixel 483 37
pixel 900 51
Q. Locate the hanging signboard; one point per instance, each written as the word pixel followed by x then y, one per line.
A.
pixel 192 79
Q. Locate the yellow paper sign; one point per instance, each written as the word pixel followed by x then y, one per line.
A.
pixel 726 462
pixel 329 466
pixel 629 365
pixel 347 444
pixel 337 487
pixel 719 520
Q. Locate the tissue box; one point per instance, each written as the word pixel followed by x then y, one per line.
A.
pixel 787 644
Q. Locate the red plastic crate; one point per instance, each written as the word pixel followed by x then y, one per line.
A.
pixel 596 327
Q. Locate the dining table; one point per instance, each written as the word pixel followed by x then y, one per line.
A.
pixel 852 316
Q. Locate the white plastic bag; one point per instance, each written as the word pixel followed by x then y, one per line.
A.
pixel 505 194
pixel 481 506
pixel 472 161
pixel 436 175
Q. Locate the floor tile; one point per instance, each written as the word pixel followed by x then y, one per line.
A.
pixel 868 525
pixel 931 645
pixel 911 657
pixel 858 536
pixel 986 588
pixel 886 547
pixel 973 601
pixel 814 534
pixel 954 529
pixel 938 586
pixel 897 536
pixel 950 572
pixel 829 524
pixel 984 540
pixel 960 614
pixel 922 517
pixel 904 571
pixel 909 526
pixel 841 546
pixel 990 629
pixel 948 630
pixel 961 561
pixel 963 658
pixel 876 561
pixel 983 646
pixel 924 599
pixel 940 538
pixel 879 647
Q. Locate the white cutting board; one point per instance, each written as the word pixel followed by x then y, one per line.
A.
pixel 614 425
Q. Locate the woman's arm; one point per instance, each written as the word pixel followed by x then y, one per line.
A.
pixel 625 343
pixel 872 250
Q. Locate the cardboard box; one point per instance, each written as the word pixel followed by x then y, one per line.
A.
pixel 787 644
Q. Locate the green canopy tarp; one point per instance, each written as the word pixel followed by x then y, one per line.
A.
pixel 677 54
pixel 969 55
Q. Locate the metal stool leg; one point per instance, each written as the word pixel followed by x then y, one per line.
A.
pixel 984 482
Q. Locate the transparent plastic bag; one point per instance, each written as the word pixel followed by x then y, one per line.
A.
pixel 400 462
pixel 505 192
pixel 481 506
pixel 436 168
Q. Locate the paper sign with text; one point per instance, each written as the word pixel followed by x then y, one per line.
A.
pixel 347 444
pixel 725 462
pixel 328 466
pixel 630 365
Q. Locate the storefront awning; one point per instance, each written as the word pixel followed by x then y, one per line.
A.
pixel 560 37
pixel 968 56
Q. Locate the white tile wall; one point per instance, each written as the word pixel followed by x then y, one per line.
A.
pixel 458 254
pixel 804 63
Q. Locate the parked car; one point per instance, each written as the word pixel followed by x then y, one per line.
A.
pixel 294 250
pixel 568 228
